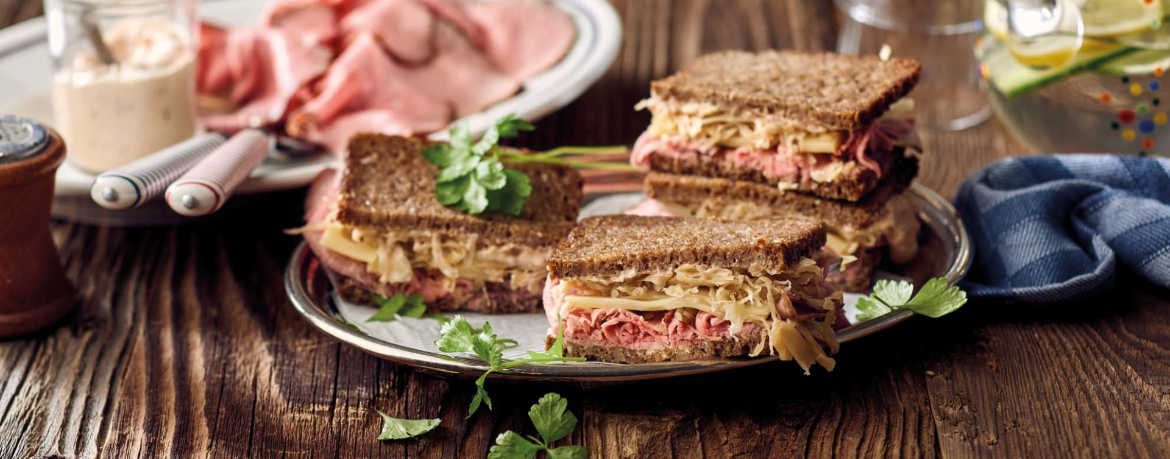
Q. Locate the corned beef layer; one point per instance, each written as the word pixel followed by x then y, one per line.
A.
pixel 645 330
pixel 871 148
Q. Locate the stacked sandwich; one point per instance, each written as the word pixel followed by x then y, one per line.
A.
pixel 754 136
pixel 636 289
pixel 627 289
pixel 381 231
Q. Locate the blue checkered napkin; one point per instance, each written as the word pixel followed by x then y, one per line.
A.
pixel 1052 228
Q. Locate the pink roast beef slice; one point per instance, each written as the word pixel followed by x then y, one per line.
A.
pixel 455 13
pixel 437 68
pixel 629 329
pixel 264 69
pixel 524 37
pixel 460 74
pixel 651 330
pixel 710 327
pixel 872 147
pixel 649 208
pixel 365 90
pixel 214 74
pixel 322 194
pixel 310 21
pixel 335 135
pixel 404 27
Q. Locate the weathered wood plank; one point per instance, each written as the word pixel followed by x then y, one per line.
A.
pixel 184 344
pixel 1088 381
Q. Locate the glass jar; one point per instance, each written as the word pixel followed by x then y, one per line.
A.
pixel 1112 105
pixel 1097 93
pixel 124 82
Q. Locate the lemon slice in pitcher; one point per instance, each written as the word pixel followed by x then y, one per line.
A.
pixel 1110 18
pixel 1044 34
pixel 1102 18
pixel 1047 53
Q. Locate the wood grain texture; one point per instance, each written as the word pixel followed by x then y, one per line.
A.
pixel 184 344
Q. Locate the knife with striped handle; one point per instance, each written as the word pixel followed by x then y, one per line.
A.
pixel 147 178
pixel 205 188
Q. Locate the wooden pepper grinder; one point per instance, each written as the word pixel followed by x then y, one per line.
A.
pixel 34 292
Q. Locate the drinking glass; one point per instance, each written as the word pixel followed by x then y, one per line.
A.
pixel 939 34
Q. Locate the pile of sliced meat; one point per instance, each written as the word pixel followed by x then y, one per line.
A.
pixel 325 69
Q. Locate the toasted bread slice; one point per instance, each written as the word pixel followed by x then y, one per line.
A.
pixel 389 185
pixel 815 89
pixel 691 191
pixel 696 350
pixel 612 244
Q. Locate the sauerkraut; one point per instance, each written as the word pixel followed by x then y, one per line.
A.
pixel 716 125
pixel 795 308
pixel 394 256
pixel 897 224
pixel 737 127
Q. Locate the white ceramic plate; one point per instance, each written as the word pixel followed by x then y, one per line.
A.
pixel 945 252
pixel 25 70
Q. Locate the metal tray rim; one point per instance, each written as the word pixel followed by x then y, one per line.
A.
pixel 936 212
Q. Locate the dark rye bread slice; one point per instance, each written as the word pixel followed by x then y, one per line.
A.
pixel 690 191
pixel 818 89
pixel 607 245
pixel 696 350
pixel 852 186
pixel 388 185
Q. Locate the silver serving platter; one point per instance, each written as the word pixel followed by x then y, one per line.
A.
pixel 946 252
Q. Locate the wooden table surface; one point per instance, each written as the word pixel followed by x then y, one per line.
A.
pixel 184 344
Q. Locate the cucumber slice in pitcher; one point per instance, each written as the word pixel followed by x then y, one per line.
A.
pixel 1014 79
pixel 1141 62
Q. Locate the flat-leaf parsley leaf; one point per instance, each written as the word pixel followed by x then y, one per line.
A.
pixel 936 299
pixel 510 445
pixel 554 421
pixel 398 305
pixel 551 417
pixel 472 176
pixel 457 335
pixel 398 429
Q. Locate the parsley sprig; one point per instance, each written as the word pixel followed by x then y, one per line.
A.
pixel 399 429
pixel 553 421
pixel 472 176
pixel 398 305
pixel 457 335
pixel 936 299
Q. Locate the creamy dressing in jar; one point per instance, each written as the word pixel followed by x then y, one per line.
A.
pixel 112 114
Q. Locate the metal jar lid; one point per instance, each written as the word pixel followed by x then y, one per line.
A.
pixel 20 138
pixel 28 151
